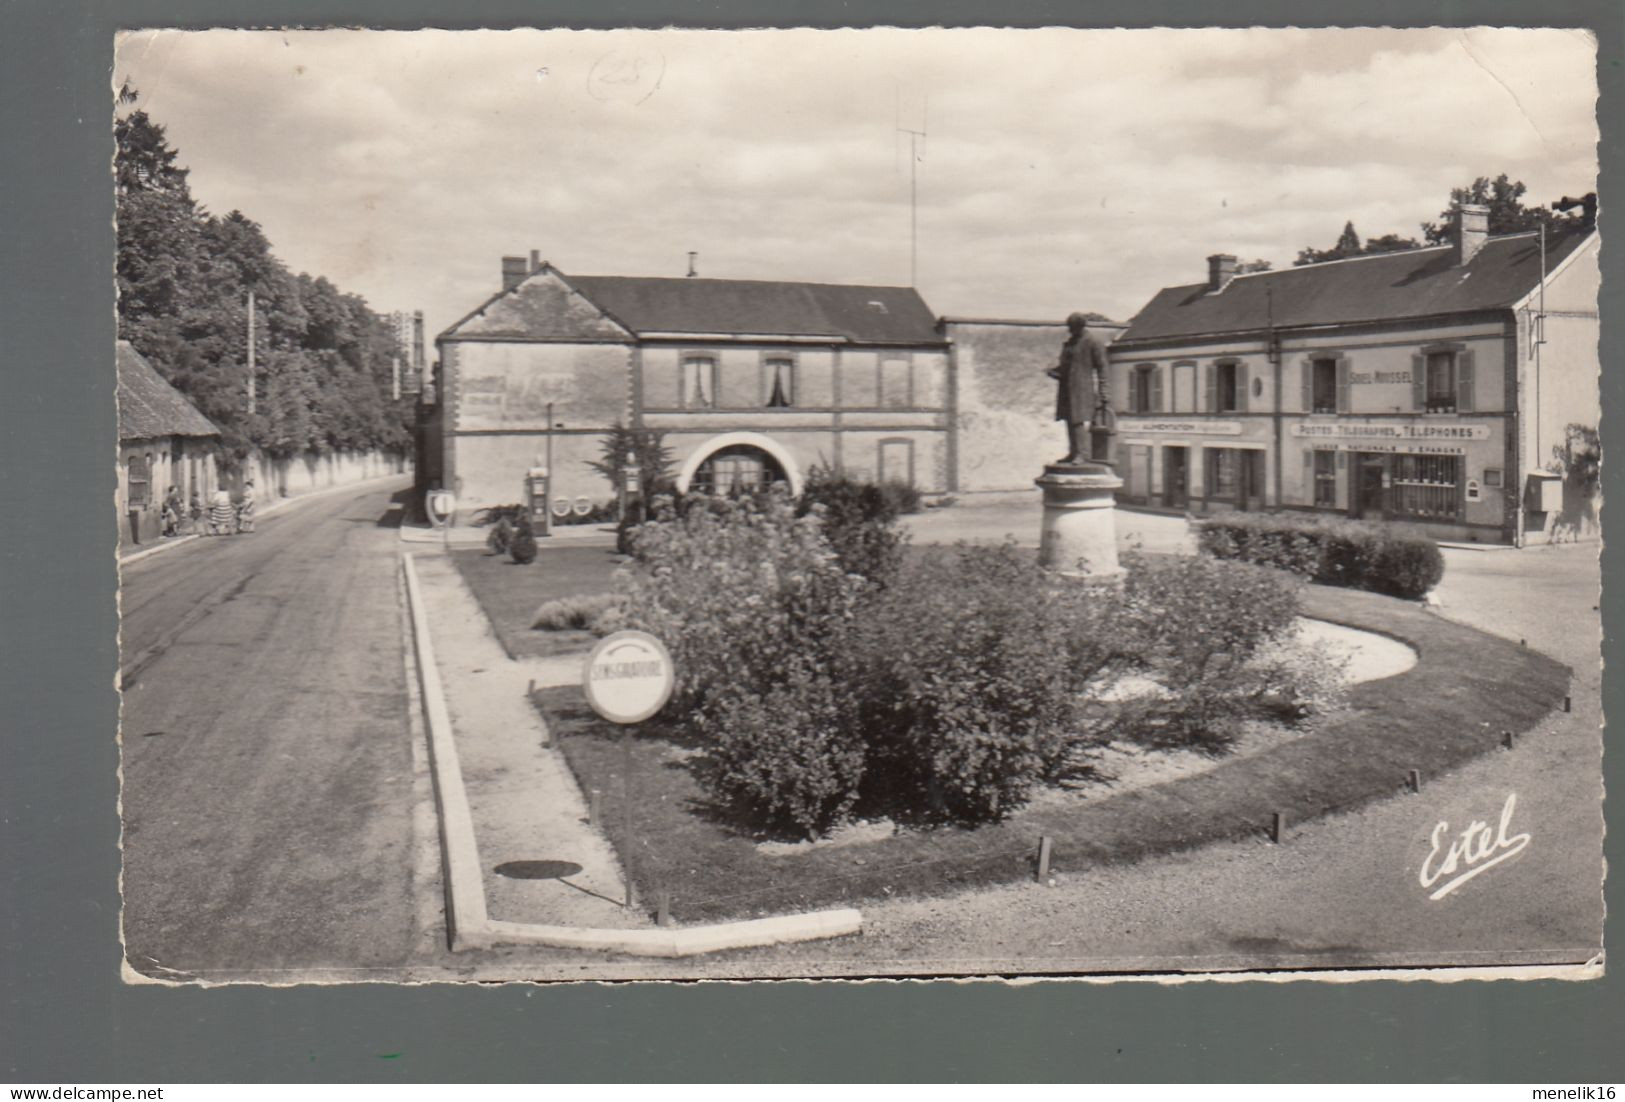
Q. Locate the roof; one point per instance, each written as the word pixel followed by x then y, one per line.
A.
pixel 148 407
pixel 1415 283
pixel 740 307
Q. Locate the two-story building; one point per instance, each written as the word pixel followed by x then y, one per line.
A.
pixel 1425 388
pixel 748 380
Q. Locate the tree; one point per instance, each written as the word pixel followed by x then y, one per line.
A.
pixel 322 357
pixel 1348 244
pixel 1508 214
pixel 651 458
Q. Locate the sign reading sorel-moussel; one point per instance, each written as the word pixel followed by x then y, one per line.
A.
pixel 629 677
pixel 1396 431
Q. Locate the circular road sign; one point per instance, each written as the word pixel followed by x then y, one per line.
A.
pixel 628 677
pixel 583 505
pixel 441 505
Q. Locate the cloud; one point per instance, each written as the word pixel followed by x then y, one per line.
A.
pixel 1062 169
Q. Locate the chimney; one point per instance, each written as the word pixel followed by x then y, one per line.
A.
pixel 1472 230
pixel 693 271
pixel 535 261
pixel 1221 269
pixel 513 272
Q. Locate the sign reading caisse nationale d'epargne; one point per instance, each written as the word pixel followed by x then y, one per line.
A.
pixel 629 677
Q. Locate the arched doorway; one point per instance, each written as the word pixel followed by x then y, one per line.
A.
pixel 736 469
pixel 747 460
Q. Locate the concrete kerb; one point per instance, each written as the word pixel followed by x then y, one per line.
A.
pixel 466 919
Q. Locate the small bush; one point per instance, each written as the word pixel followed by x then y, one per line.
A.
pixel 788 760
pixel 1196 625
pixel 970 666
pixel 522 548
pixel 500 537
pixel 583 612
pixel 1332 551
pixel 901 496
pixel 858 520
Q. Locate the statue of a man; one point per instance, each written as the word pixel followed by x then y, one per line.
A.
pixel 1081 398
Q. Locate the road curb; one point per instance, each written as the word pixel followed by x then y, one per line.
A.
pixel 466 919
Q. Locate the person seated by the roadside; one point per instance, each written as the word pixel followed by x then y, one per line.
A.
pixel 173 511
pixel 245 508
pixel 222 513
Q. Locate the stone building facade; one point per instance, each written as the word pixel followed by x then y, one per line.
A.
pixel 1423 388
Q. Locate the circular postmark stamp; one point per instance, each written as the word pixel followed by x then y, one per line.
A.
pixel 627 74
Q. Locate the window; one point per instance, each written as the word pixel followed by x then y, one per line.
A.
pixel 895 383
pixel 1426 486
pixel 1326 480
pixel 734 471
pixel 1441 382
pixel 1222 480
pixel 140 475
pixel 1143 396
pixel 1227 396
pixel 1323 386
pixel 699 382
pixel 1492 477
pixel 781 379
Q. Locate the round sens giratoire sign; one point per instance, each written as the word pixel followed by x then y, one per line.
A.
pixel 629 677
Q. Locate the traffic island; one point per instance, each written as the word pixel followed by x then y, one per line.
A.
pixel 509 799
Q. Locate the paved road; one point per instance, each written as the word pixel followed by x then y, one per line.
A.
pixel 268 769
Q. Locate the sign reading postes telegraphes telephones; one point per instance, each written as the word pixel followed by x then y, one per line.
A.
pixel 629 677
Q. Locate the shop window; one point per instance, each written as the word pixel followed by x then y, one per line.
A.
pixel 1325 480
pixel 140 477
pixel 781 383
pixel 1426 486
pixel 1323 386
pixel 699 382
pixel 1441 382
pixel 1227 395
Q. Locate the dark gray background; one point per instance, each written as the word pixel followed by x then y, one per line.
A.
pixel 65 1016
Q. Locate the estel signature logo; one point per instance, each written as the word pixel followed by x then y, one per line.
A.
pixel 1474 851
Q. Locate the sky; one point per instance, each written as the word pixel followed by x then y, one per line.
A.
pixel 1060 170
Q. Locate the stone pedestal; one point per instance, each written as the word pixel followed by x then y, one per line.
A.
pixel 1079 537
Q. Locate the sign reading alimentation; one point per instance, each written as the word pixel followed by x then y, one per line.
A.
pixel 1211 428
pixel 1368 431
pixel 629 677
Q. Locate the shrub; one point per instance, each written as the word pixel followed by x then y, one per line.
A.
pixel 499 538
pixel 901 496
pixel 970 666
pixel 736 589
pixel 789 759
pixel 522 548
pixel 582 612
pixel 1332 551
pixel 1197 625
pixel 858 520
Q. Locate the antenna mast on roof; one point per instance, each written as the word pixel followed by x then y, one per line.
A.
pixel 916 140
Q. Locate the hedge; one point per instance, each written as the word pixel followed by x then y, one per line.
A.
pixel 1331 551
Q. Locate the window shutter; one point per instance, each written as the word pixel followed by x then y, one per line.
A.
pixel 1212 405
pixel 1308 386
pixel 1156 390
pixel 1241 388
pixel 1464 382
pixel 1419 382
pixel 1342 386
pixel 1308 459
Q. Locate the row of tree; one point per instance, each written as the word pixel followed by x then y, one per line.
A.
pixel 1508 214
pixel 323 357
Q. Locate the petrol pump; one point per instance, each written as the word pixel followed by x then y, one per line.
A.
pixel 536 501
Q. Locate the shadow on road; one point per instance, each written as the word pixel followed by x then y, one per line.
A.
pixel 400 505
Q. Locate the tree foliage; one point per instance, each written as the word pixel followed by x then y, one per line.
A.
pixel 1508 214
pixel 323 357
